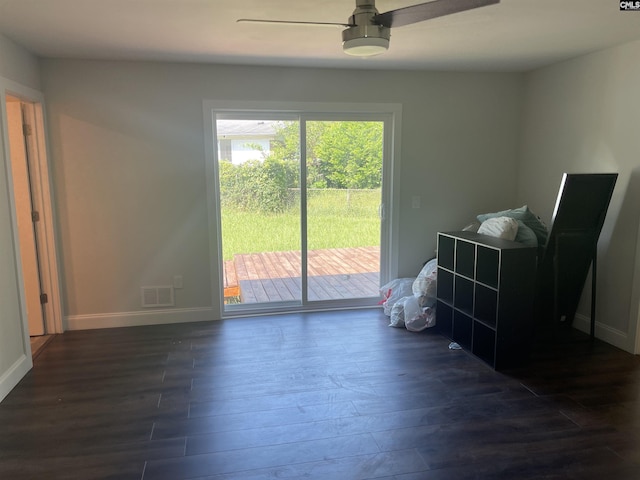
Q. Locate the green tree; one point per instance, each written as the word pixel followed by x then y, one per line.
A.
pixel 340 154
pixel 257 185
pixel 349 154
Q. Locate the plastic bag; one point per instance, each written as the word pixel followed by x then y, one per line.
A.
pixel 424 286
pixel 397 314
pixel 412 310
pixel 394 291
pixel 417 323
pixel 406 309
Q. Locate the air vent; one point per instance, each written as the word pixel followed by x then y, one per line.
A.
pixel 157 296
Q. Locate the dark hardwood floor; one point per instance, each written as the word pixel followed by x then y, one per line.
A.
pixel 317 396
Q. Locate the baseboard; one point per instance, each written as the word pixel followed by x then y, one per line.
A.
pixel 14 374
pixel 136 319
pixel 608 334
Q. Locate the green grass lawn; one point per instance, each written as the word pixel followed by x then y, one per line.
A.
pixel 335 219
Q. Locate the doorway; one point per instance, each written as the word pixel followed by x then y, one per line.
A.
pixel 301 199
pixel 33 217
pixel 25 213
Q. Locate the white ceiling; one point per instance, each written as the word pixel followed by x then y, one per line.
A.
pixel 514 35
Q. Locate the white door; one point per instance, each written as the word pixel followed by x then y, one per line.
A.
pixel 27 236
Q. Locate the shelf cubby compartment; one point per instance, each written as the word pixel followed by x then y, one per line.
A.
pixel 484 343
pixel 488 266
pixel 444 286
pixel 462 329
pixel 463 294
pixel 444 318
pixel 465 259
pixel 486 305
pixel 446 252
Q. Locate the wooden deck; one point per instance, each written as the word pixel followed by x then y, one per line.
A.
pixel 336 273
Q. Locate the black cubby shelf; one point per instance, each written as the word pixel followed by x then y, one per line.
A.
pixel 485 295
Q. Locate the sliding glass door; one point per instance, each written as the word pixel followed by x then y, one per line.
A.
pixel 259 178
pixel 343 192
pixel 300 198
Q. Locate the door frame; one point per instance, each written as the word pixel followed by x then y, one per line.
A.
pixel 43 200
pixel 392 114
pixel 20 147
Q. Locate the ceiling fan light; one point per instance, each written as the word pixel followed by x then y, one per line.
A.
pixel 365 46
pixel 365 40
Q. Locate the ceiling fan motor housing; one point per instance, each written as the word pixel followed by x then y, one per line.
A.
pixel 365 38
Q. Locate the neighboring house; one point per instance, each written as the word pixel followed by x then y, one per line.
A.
pixel 242 140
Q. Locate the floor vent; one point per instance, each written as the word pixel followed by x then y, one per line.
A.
pixel 157 296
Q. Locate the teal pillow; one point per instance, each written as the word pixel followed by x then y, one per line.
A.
pixel 525 235
pixel 526 216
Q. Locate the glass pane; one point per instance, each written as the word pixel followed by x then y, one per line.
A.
pixel 259 173
pixel 344 179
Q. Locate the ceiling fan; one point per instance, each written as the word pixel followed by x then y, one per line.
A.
pixel 367 31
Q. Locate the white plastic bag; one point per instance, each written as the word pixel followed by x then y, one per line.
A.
pixel 424 286
pixel 417 323
pixel 412 310
pixel 404 310
pixel 394 291
pixel 397 314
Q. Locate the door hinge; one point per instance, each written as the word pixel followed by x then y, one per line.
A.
pixel 44 298
pixel 26 129
pixel 35 216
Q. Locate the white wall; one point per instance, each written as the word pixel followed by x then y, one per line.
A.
pixel 128 165
pixel 583 116
pixel 16 67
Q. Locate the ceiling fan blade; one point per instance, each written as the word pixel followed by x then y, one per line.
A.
pixel 427 11
pixel 294 23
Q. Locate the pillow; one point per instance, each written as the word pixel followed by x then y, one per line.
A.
pixel 501 227
pixel 525 235
pixel 526 216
